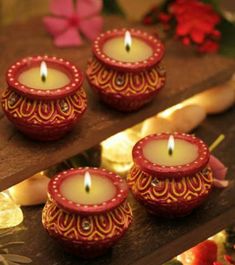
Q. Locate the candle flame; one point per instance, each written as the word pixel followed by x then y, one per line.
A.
pixel 43 71
pixel 127 41
pixel 87 181
pixel 171 145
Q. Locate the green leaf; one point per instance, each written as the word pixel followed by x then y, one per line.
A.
pixel 17 258
pixel 227 42
pixel 11 244
pixel 6 232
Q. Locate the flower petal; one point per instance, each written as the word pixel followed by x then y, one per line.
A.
pixel 220 183
pixel 55 25
pixel 91 27
pixel 183 29
pixel 62 7
pixel 198 36
pixel 218 168
pixel 229 259
pixel 88 8
pixel 69 38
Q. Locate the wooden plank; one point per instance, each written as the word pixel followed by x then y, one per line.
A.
pixel 11 9
pixel 150 240
pixel 187 74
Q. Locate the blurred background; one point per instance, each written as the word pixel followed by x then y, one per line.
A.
pixel 21 10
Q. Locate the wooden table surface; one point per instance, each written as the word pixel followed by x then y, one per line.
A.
pixel 187 73
pixel 150 240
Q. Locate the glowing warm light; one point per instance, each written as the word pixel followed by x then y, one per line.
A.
pixel 167 112
pixel 87 181
pixel 10 213
pixel 171 145
pixel 43 71
pixel 219 238
pixel 127 41
pixel 118 147
pixel 116 151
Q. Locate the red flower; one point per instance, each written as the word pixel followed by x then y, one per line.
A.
pixel 195 23
pixel 147 20
pixel 204 253
pixel 209 46
pixel 164 17
pixel 229 259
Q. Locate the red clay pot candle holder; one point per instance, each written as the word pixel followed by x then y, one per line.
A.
pixel 128 75
pixel 44 109
pixel 170 184
pixel 87 216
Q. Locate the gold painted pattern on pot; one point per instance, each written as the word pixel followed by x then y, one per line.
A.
pixel 44 112
pixel 169 189
pixel 109 81
pixel 26 109
pixel 101 226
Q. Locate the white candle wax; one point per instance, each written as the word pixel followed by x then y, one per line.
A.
pixel 184 152
pixel 102 189
pixel 32 78
pixel 139 50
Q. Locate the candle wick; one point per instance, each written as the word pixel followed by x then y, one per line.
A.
pixel 170 151
pixel 43 77
pixel 128 47
pixel 87 188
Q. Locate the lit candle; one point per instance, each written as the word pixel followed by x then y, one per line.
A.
pixel 43 77
pixel 87 210
pixel 132 49
pixel 171 175
pixel 170 152
pixel 88 189
pixel 125 68
pixel 44 97
pixel 128 49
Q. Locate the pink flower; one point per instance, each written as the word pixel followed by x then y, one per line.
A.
pixel 219 172
pixel 70 21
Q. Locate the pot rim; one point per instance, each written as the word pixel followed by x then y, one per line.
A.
pixel 178 171
pixel 87 209
pixel 154 42
pixel 75 75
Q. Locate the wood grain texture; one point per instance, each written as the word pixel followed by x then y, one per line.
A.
pixel 150 240
pixel 16 10
pixel 187 73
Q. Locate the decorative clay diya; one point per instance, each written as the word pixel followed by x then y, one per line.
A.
pixel 126 76
pixel 175 185
pixel 87 224
pixel 44 108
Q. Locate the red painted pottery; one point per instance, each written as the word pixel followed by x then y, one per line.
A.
pixel 170 191
pixel 87 230
pixel 44 114
pixel 126 86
